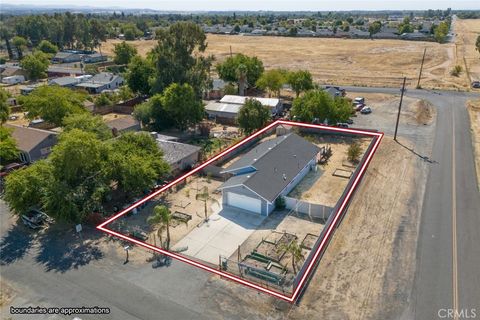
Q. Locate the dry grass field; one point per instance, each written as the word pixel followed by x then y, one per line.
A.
pixel 354 61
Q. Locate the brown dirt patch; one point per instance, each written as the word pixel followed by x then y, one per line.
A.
pixel 474 113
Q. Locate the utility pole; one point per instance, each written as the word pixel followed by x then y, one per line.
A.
pixel 399 108
pixel 231 53
pixel 421 68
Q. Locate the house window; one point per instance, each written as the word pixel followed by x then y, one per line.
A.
pixel 45 151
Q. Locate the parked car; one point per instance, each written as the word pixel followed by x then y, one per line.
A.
pixel 359 107
pixel 350 121
pixel 476 84
pixel 358 100
pixel 366 110
pixel 36 219
pixel 342 125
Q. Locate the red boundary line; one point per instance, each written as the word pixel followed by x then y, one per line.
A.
pixel 377 138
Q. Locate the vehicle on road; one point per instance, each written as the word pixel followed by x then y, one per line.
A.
pixel 36 219
pixel 476 84
pixel 366 110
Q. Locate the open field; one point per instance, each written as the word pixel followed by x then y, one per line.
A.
pixel 467 32
pixel 474 113
pixel 351 61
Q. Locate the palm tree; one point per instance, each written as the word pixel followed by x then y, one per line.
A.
pixel 242 78
pixel 161 215
pixel 205 197
pixel 294 249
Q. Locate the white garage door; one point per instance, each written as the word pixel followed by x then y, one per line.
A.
pixel 244 202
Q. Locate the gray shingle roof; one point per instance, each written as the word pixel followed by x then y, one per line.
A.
pixel 176 151
pixel 277 163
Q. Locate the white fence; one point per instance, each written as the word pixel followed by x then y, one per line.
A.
pixel 312 209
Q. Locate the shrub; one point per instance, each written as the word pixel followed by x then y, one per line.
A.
pixel 354 152
pixel 456 71
pixel 280 203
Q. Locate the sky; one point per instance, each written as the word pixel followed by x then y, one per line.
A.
pixel 270 5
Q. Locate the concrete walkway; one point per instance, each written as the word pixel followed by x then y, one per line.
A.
pixel 221 235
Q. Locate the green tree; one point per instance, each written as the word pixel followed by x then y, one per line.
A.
pixel 252 116
pixel 98 32
pixel 205 197
pixel 300 81
pixel 35 65
pixel 374 28
pixel 53 103
pixel 20 44
pixel 26 188
pixel 441 32
pixel 131 32
pixel 272 80
pixel 136 162
pixel 8 145
pixel 138 75
pixel 143 113
pixel 228 70
pixel 87 122
pixel 294 250
pixel 47 47
pixel 179 107
pixel 6 34
pixel 162 215
pixel 103 100
pixel 405 26
pixel 124 53
pixel 4 108
pixel 319 105
pixel 178 58
pixel 353 153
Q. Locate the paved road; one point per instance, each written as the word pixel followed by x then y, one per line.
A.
pixel 448 250
pixel 45 275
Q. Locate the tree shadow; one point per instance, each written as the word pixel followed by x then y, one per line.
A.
pixel 61 250
pixel 424 158
pixel 15 244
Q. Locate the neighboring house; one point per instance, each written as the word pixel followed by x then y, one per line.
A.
pixel 217 91
pixel 61 71
pixel 26 90
pixel 101 81
pixel 66 57
pixel 223 112
pixel 123 124
pixel 34 144
pixel 273 104
pixel 180 156
pixel 11 71
pixel 94 58
pixel 66 82
pixel 335 91
pixel 268 171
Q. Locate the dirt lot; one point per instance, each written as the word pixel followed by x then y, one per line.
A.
pixel 474 113
pixel 467 32
pixel 321 186
pixel 347 61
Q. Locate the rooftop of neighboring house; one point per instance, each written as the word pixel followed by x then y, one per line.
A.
pixel 273 165
pixel 269 102
pixel 173 151
pixel 28 138
pixel 122 123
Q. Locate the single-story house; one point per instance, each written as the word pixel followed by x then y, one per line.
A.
pixel 66 82
pixel 270 170
pixel 273 104
pixel 123 124
pixel 95 57
pixel 62 71
pixel 34 144
pixel 180 156
pixel 66 57
pixel 101 81
pixel 223 112
pixel 11 71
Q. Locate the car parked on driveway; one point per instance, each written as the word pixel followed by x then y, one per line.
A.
pixel 476 84
pixel 358 100
pixel 359 107
pixel 366 110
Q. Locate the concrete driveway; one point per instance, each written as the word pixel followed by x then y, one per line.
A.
pixel 221 235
